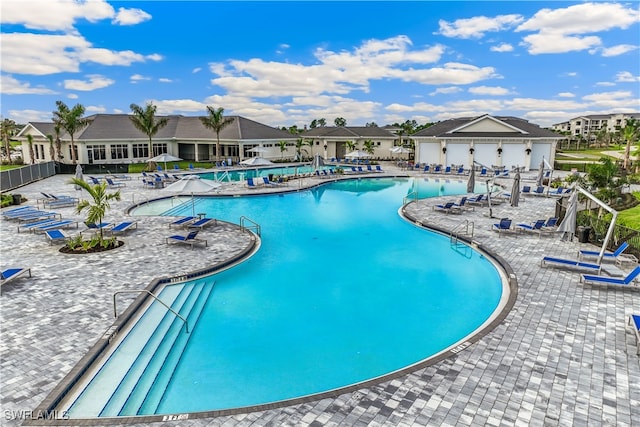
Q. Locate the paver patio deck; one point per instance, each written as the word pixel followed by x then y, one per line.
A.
pixel 562 356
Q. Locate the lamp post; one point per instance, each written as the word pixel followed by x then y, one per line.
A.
pixel 325 150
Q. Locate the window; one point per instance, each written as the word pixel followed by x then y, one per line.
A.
pixel 97 152
pixel 119 151
pixel 140 151
pixel 159 149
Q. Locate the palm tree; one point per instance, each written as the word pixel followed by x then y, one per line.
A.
pixel 56 129
pixel 8 128
pixel 283 148
pixel 216 121
pixel 299 144
pixel 630 133
pixel 52 150
pixel 100 205
pixel 340 121
pixel 31 153
pixel 368 147
pixel 70 120
pixel 351 146
pixel 145 120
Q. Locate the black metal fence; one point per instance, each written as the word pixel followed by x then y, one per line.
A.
pixel 598 230
pixel 14 178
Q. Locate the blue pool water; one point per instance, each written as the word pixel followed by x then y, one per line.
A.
pixel 342 290
pixel 242 174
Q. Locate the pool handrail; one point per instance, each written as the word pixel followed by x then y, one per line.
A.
pixel 138 291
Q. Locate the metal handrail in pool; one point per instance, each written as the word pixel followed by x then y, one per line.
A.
pixel 115 311
pixel 256 226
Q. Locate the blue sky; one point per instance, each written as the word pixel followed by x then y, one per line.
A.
pixel 286 63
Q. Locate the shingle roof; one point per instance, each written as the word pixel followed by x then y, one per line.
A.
pixel 443 129
pixel 348 132
pixel 120 126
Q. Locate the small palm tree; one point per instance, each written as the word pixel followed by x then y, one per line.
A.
pixel 368 147
pixel 351 146
pixel 144 119
pixel 283 148
pixel 31 153
pixel 100 197
pixel 71 120
pixel 299 150
pixel 8 128
pixel 52 150
pixel 630 132
pixel 216 121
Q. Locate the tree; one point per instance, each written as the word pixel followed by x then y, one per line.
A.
pixel 31 153
pixel 145 120
pixel 71 120
pixel 100 197
pixel 283 148
pixel 630 133
pixel 56 130
pixel 351 146
pixel 52 150
pixel 299 150
pixel 371 125
pixel 216 121
pixel 339 121
pixel 368 147
pixel 8 128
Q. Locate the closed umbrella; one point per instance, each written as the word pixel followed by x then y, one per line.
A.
pixel 164 158
pixel 515 190
pixel 540 173
pixel 78 175
pixel 568 224
pixel 317 162
pixel 471 182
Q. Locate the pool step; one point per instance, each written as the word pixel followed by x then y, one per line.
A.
pixel 116 366
pixel 182 305
pixel 146 397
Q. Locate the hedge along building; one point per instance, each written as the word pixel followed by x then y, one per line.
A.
pixel 331 142
pixel 507 142
pixel 112 139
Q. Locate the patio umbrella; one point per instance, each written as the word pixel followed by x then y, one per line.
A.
pixel 164 158
pixel 471 182
pixel 540 173
pixel 256 161
pixel 317 162
pixel 191 184
pixel 78 175
pixel 515 190
pixel 568 224
pixel 357 154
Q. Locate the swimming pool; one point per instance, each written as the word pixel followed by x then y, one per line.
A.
pixel 242 174
pixel 341 291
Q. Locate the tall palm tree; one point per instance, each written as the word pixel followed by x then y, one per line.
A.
pixel 71 120
pixel 8 128
pixel 100 197
pixel 630 132
pixel 56 130
pixel 216 121
pixel 52 150
pixel 145 120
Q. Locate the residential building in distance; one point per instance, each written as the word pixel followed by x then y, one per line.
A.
pixel 589 126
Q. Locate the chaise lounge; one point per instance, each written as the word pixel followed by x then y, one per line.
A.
pixel 626 282
pixel 13 273
pixel 189 239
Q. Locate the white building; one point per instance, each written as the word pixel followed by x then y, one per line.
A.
pixel 589 126
pixel 487 140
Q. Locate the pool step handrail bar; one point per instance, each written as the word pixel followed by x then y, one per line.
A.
pixel 224 175
pixel 253 225
pixel 413 195
pixel 457 230
pixel 138 291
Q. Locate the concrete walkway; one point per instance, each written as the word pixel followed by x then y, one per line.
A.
pixel 562 356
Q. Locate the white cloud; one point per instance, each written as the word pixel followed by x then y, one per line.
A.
pixel 502 47
pixel 41 54
pixel 130 16
pixel 72 96
pixel 196 70
pixel 534 104
pixel 605 84
pixel 489 90
pixel 617 50
pixel 93 82
pixel 165 80
pixel 446 90
pixel 9 85
pixel 616 99
pixel 135 78
pixel 26 116
pixel 93 109
pixel 54 15
pixel 627 77
pixel 477 26
pixel 566 95
pixel 173 106
pixel 563 30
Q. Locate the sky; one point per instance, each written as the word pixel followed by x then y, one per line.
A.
pixel 288 63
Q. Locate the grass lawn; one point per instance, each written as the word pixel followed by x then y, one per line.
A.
pixel 630 217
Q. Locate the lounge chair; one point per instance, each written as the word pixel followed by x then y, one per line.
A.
pixel 634 322
pixel 447 170
pixel 551 226
pixel 477 200
pixel 535 227
pixel 65 223
pixel 449 207
pixel 112 184
pixel 561 262
pixel 525 190
pixel 538 191
pixel 616 255
pixel 265 180
pixel 123 227
pixel 36 216
pixel 461 171
pixel 462 204
pixel 251 184
pixel 483 172
pixel 189 239
pixel 102 225
pixel 437 169
pixel 29 226
pixel 13 273
pixel 426 169
pixel 503 226
pixel 379 168
pixel 183 222
pixel 202 222
pixel 56 236
pixel 612 281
